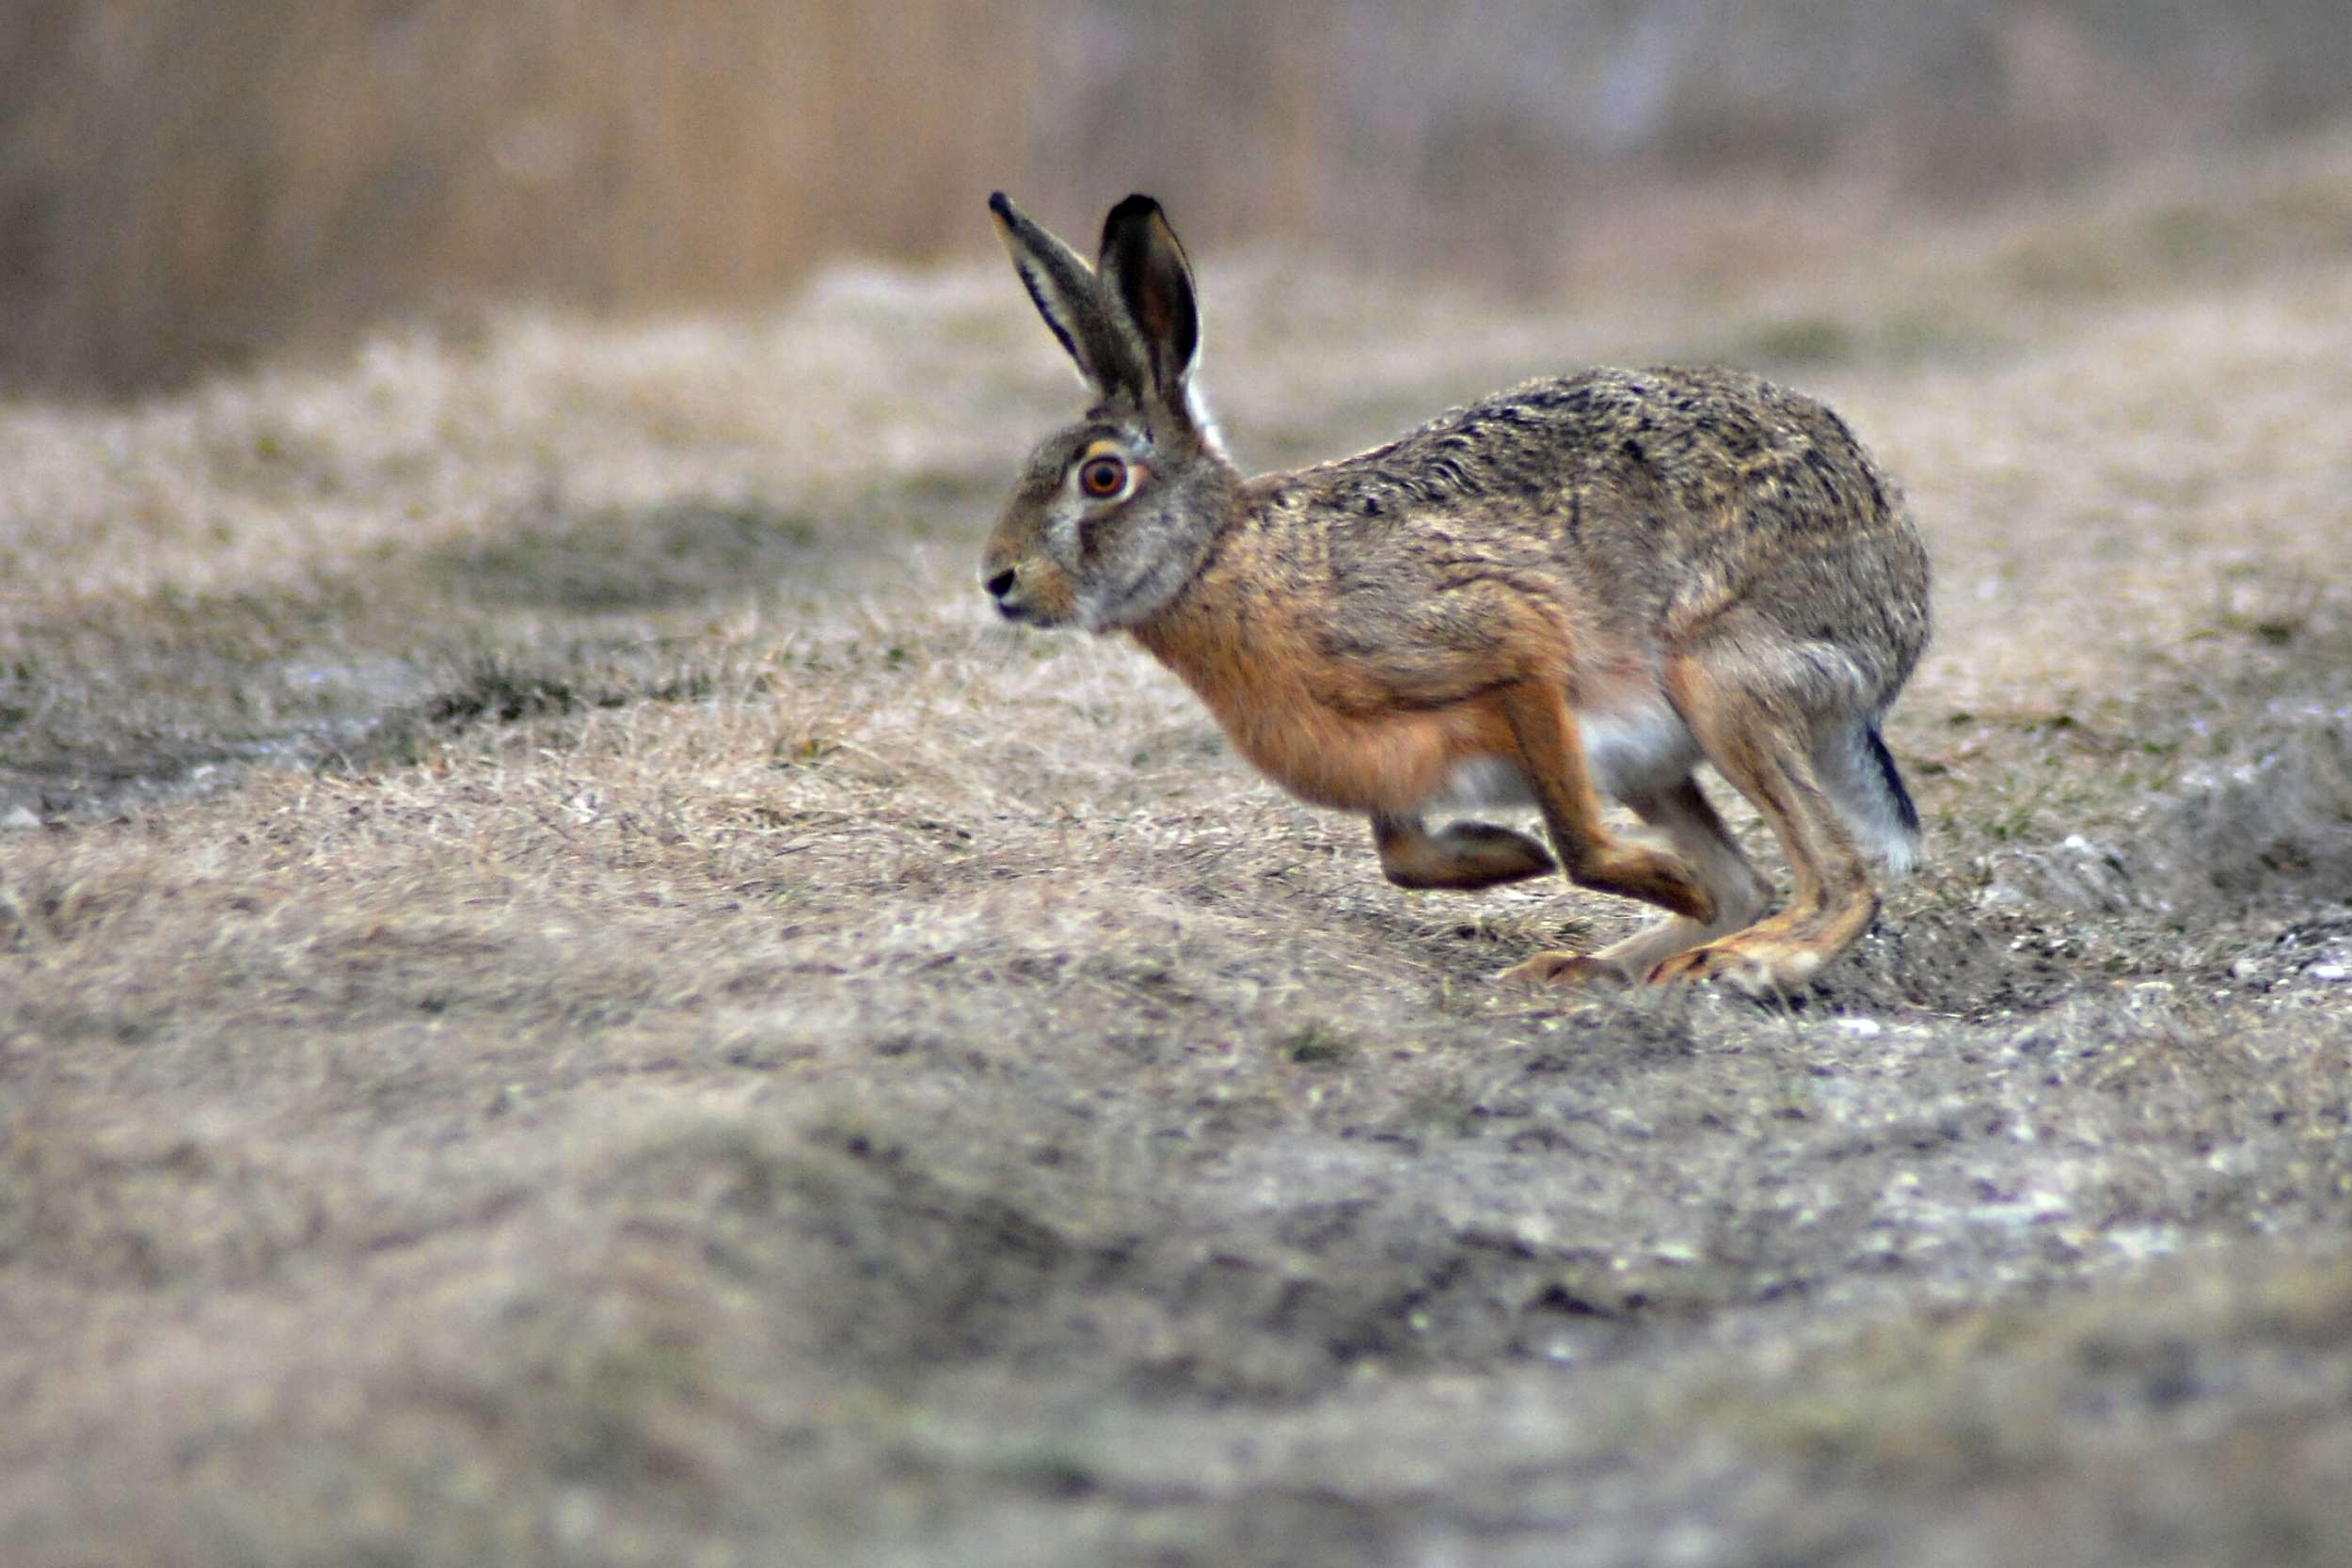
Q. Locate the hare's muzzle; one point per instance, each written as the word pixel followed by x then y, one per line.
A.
pixel 1001 588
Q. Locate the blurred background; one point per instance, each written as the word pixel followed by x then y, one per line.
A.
pixel 187 185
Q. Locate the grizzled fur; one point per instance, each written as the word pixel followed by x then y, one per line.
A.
pixel 1577 587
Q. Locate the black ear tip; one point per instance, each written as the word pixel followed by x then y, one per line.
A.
pixel 1000 204
pixel 1135 206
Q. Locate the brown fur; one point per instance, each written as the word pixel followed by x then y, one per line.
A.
pixel 1672 563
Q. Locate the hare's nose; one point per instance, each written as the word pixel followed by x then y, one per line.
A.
pixel 1001 584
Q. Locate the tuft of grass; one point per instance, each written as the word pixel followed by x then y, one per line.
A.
pixel 497 691
pixel 1316 1046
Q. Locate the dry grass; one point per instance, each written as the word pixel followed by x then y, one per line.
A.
pixel 190 183
pixel 566 996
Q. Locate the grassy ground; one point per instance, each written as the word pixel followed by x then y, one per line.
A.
pixel 567 995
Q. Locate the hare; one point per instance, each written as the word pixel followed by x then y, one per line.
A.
pixel 1580 587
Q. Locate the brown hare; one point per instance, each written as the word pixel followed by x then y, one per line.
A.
pixel 1577 588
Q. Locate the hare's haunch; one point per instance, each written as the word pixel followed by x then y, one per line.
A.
pixel 1577 587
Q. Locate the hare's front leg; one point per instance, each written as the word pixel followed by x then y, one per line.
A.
pixel 1462 856
pixel 1682 812
pixel 1552 757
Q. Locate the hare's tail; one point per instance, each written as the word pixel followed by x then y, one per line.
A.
pixel 1861 777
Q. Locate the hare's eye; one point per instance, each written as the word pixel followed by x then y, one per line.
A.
pixel 1103 477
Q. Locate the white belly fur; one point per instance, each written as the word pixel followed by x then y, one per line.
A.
pixel 1633 750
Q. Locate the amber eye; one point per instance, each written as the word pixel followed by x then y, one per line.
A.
pixel 1103 477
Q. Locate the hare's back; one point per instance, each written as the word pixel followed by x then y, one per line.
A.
pixel 1657 499
pixel 1733 484
pixel 1663 449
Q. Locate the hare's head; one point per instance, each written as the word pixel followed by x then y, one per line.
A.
pixel 1112 515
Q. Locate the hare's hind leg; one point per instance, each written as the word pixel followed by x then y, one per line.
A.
pixel 1462 855
pixel 1765 749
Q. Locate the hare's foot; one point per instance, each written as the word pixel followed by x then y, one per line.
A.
pixel 1638 954
pixel 1755 960
pixel 1776 955
pixel 1564 969
pixel 1463 856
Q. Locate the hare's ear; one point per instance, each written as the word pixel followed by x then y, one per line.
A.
pixel 1150 283
pixel 1071 300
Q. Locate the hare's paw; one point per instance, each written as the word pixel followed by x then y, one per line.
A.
pixel 1470 855
pixel 1758 965
pixel 1564 969
pixel 1652 876
pixel 1493 854
pixel 1465 856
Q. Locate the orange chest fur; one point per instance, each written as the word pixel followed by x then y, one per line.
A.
pixel 1315 726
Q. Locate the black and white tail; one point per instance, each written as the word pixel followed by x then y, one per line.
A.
pixel 1861 777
